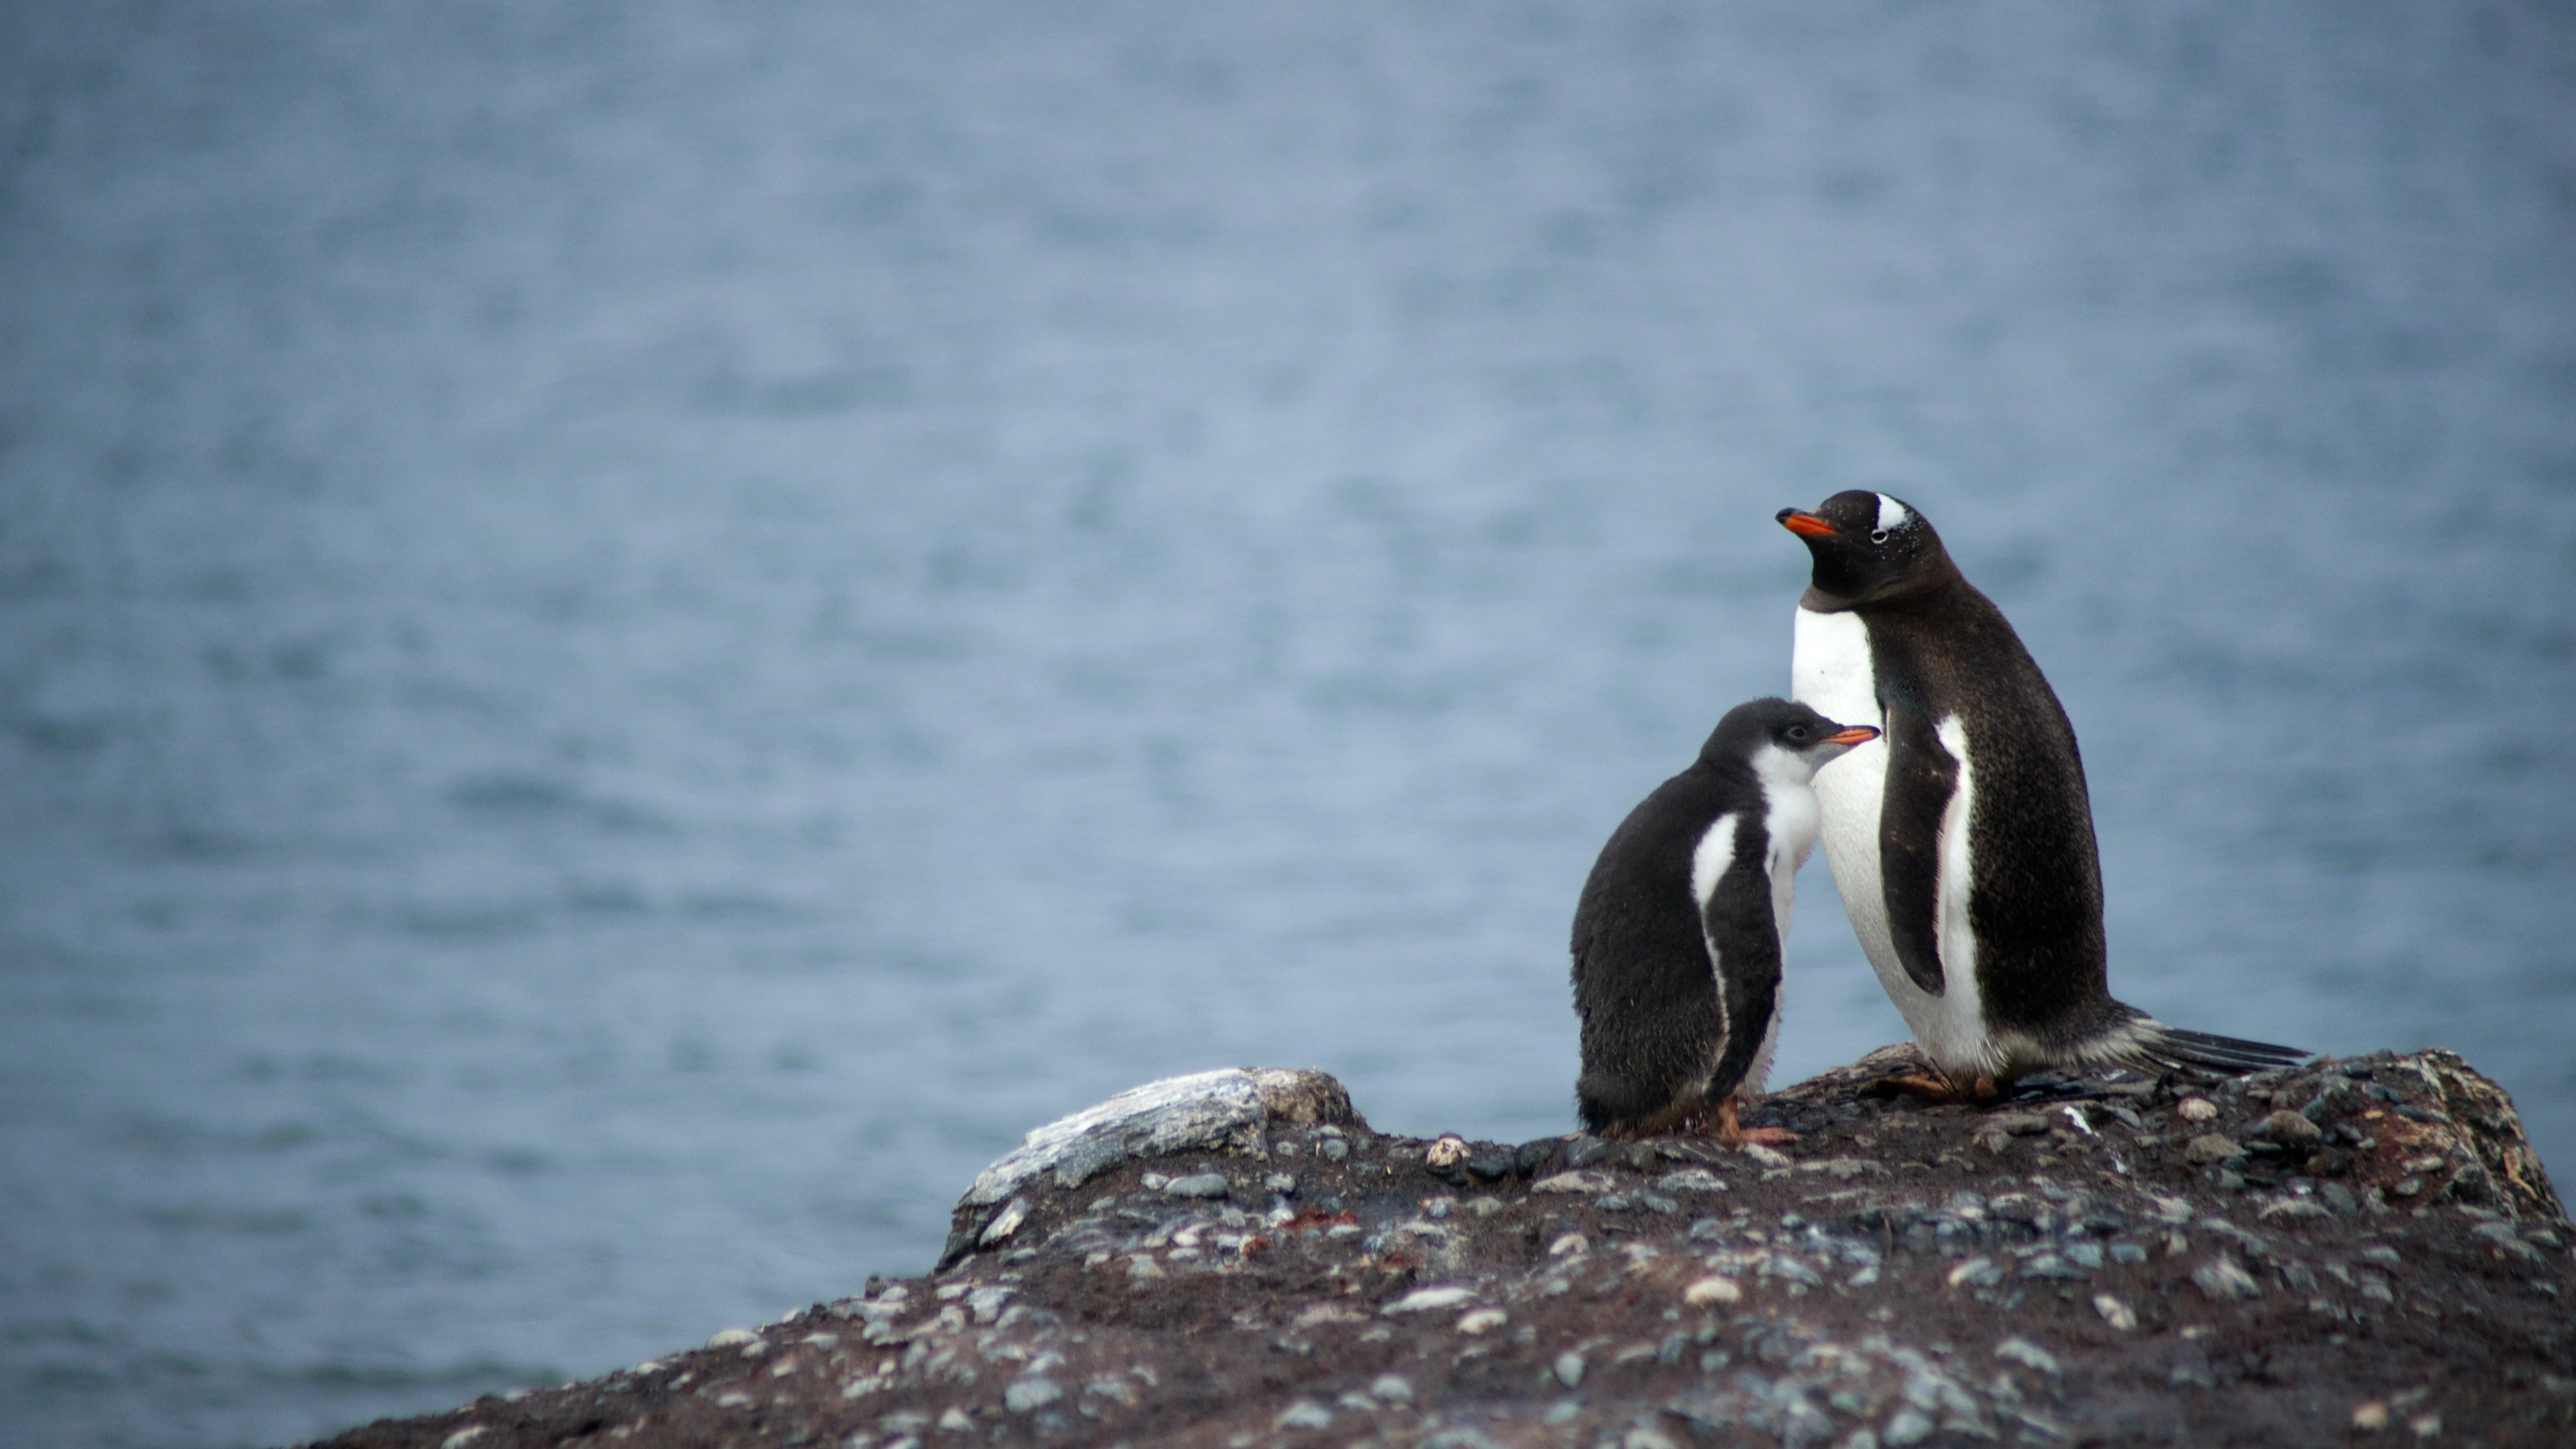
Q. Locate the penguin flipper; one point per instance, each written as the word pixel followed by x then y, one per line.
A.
pixel 1921 778
pixel 2227 1055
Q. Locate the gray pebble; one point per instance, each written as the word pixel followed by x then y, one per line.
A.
pixel 1392 1389
pixel 1569 1369
pixel 1334 1149
pixel 1026 1394
pixel 1906 1429
pixel 1116 1390
pixel 2210 1148
pixel 1304 1414
pixel 1204 1184
pixel 2221 1279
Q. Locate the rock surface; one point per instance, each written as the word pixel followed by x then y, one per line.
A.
pixel 2082 1265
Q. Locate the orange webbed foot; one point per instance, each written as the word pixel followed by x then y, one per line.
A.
pixel 1914 1084
pixel 1734 1133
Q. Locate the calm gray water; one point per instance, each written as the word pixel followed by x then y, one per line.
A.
pixel 631 635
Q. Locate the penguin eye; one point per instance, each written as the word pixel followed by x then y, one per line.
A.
pixel 1797 732
pixel 1878 535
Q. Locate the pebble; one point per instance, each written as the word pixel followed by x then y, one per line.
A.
pixel 462 1437
pixel 1026 1394
pixel 728 1337
pixel 2023 1351
pixel 2114 1312
pixel 2370 1418
pixel 2221 1279
pixel 2171 1209
pixel 1575 1181
pixel 2502 1236
pixel 2196 1109
pixel 1425 1300
pixel 1482 1320
pixel 1568 1369
pixel 1906 1429
pixel 1766 1156
pixel 2211 1147
pixel 1714 1288
pixel 1691 1179
pixel 1281 1183
pixel 1796 1272
pixel 1005 1223
pixel 954 1421
pixel 1572 1245
pixel 1978 1272
pixel 1202 1184
pixel 1449 1151
pixel 1333 1149
pixel 1585 1151
pixel 2289 1127
pixel 1115 1389
pixel 1304 1414
pixel 1391 1389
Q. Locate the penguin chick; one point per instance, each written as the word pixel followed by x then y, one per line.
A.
pixel 1677 937
pixel 1962 840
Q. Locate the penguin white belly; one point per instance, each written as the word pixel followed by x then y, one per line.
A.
pixel 1953 1027
pixel 1792 822
pixel 1830 672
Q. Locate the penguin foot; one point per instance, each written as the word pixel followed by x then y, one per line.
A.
pixel 1733 1133
pixel 1937 1089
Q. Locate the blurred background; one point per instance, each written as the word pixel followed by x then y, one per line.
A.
pixel 632 635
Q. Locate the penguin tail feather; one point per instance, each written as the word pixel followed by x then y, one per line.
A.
pixel 2226 1055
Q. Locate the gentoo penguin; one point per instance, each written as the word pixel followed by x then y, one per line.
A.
pixel 1962 839
pixel 1677 938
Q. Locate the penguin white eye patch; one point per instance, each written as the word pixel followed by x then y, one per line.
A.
pixel 1891 517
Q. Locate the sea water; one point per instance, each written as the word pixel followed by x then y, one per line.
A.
pixel 631 636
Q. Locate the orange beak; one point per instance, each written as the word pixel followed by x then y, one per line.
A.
pixel 1856 735
pixel 1805 525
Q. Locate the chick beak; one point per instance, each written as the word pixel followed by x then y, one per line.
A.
pixel 1856 735
pixel 1805 525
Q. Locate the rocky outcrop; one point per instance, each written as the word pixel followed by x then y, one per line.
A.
pixel 2354 1251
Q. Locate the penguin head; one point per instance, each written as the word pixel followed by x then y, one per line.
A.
pixel 1869 546
pixel 1780 741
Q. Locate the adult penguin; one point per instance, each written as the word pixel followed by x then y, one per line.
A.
pixel 1962 839
pixel 1677 938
